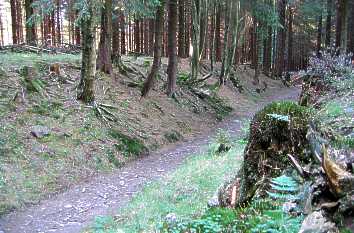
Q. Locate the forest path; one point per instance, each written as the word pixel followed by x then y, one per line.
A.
pixel 75 209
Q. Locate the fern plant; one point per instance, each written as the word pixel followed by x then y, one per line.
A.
pixel 260 216
pixel 284 188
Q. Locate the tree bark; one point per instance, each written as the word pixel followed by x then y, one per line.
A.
pixel 146 37
pixel 19 21
pixel 188 20
pixel 123 44
pixel 31 37
pixel 1 31
pixel 115 36
pixel 217 33
pixel 137 35
pixel 14 22
pixel 77 30
pixel 181 30
pixel 350 46
pixel 267 56
pixel 58 22
pixel 340 21
pixel 104 58
pixel 172 45
pixel 291 40
pixel 329 23
pixel 86 88
pixel 151 37
pixel 280 50
pixel 159 23
pixel 319 36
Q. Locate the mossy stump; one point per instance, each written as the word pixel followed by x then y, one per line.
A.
pixel 276 131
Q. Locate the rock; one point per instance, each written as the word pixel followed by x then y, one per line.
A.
pixel 171 218
pixel 213 202
pixel 40 131
pixel 316 222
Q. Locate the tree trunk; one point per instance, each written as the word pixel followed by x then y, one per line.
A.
pixel 255 52
pixel 213 36
pixel 104 58
pixel 146 37
pixel 280 50
pixel 291 40
pixel 329 23
pixel 14 22
pixel 203 26
pixel 188 26
pixel 19 21
pixel 340 22
pixel 58 26
pixel 52 28
pixel 1 31
pixel 151 37
pixel 31 37
pixel 217 33
pixel 319 36
pixel 159 22
pixel 350 46
pixel 267 56
pixel 228 13
pixel 137 35
pixel 172 45
pixel 115 36
pixel 181 30
pixel 77 30
pixel 123 44
pixel 195 38
pixel 86 88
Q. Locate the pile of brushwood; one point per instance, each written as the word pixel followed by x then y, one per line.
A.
pixel 315 138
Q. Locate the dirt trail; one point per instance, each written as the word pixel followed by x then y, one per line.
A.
pixel 76 208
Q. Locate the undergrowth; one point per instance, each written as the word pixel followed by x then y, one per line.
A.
pixel 184 192
pixel 259 216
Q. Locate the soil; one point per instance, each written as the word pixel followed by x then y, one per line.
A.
pixel 75 209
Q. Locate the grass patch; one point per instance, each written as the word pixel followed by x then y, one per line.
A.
pixel 184 192
pixel 29 59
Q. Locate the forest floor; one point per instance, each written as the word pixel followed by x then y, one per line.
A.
pixel 80 147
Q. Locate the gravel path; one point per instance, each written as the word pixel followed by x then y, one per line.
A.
pixel 75 209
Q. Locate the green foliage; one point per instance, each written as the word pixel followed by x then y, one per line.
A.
pixel 222 109
pixel 183 78
pixel 283 188
pixel 127 145
pixel 173 136
pixel 142 8
pixel 47 108
pixel 223 137
pixel 260 216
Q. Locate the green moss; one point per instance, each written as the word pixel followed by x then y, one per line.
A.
pixel 173 136
pixel 127 145
pixel 277 130
pixel 222 109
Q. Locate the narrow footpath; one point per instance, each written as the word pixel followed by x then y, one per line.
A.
pixel 74 209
